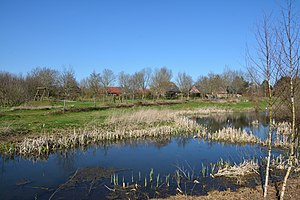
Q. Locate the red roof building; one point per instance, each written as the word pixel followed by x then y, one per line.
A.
pixel 113 90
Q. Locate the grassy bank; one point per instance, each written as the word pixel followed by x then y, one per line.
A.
pixel 39 118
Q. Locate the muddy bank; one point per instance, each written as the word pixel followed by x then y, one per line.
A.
pixel 292 192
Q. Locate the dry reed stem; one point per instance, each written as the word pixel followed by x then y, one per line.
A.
pixel 133 125
pixel 243 169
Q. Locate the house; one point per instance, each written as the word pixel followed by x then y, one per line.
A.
pixel 113 91
pixel 195 92
pixel 171 90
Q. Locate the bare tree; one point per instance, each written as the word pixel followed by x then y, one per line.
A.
pixel 43 77
pixel 203 84
pixel 13 89
pixel 265 65
pixel 141 80
pixel 69 85
pixel 85 91
pixel 125 82
pixel 290 45
pixel 94 82
pixel 160 81
pixel 107 78
pixel 184 82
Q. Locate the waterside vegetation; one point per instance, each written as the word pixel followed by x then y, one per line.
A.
pixel 116 124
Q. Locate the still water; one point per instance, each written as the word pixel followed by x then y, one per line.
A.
pixel 130 161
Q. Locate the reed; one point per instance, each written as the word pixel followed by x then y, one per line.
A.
pixel 140 124
pixel 255 123
pixel 177 177
pixel 157 180
pixel 280 162
pixel 123 183
pixel 139 176
pixel 283 131
pixel 247 167
pixel 151 176
pixel 203 169
pixel 145 182
pixel 168 180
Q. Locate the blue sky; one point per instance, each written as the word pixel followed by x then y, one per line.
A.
pixel 192 36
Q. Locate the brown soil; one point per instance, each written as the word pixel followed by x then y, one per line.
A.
pixel 292 192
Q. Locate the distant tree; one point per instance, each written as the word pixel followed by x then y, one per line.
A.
pixel 13 90
pixel 184 82
pixel 94 82
pixel 239 85
pixel 85 91
pixel 265 88
pixel 69 85
pixel 217 83
pixel 141 80
pixel 107 78
pixel 43 77
pixel 160 81
pixel 125 82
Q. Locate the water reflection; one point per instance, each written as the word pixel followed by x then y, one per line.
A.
pixel 243 121
pixel 135 157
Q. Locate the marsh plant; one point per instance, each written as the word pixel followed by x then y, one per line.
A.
pixel 247 167
pixel 233 135
pixel 135 125
pixel 280 162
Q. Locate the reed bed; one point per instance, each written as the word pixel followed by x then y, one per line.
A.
pixel 281 163
pixel 49 143
pixel 283 130
pixel 120 126
pixel 255 123
pixel 203 111
pixel 145 123
pixel 231 135
pixel 247 167
pixel 147 116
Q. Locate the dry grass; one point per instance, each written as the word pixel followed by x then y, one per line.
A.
pixel 203 111
pixel 127 125
pixel 247 167
pixel 145 116
pixel 231 135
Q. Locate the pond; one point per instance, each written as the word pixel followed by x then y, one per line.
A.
pixel 132 168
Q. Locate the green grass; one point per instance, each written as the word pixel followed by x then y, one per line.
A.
pixel 39 121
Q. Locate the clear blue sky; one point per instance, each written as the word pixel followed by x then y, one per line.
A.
pixel 192 36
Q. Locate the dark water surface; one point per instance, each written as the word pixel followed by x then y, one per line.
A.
pixel 38 179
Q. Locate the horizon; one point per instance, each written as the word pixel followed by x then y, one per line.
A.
pixel 192 37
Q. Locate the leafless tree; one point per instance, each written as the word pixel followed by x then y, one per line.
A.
pixel 107 78
pixel 203 84
pixel 160 81
pixel 43 77
pixel 184 82
pixel 125 82
pixel 12 89
pixel 289 38
pixel 268 71
pixel 141 80
pixel 94 82
pixel 69 85
pixel 85 90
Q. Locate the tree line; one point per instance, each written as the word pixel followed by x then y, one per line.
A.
pixel 145 83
